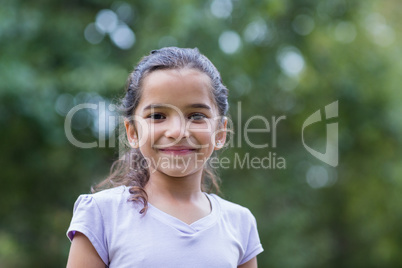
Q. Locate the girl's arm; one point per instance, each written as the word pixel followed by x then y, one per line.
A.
pixel 250 264
pixel 83 254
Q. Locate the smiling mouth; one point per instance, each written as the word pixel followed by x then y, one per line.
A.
pixel 177 150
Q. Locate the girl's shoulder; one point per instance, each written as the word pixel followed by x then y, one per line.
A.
pixel 105 199
pixel 112 193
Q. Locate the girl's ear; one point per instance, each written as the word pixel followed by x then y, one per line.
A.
pixel 220 135
pixel 131 134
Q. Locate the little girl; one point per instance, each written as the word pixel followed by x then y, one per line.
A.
pixel 159 210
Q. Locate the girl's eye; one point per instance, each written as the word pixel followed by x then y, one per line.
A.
pixel 197 117
pixel 156 116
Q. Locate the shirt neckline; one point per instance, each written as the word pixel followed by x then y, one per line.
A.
pixel 197 226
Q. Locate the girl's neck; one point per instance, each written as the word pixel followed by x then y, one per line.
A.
pixel 182 189
pixel 180 197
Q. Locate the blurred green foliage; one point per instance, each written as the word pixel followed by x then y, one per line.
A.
pixel 277 57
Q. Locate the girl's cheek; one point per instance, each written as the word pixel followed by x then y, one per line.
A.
pixel 144 134
pixel 207 125
pixel 154 132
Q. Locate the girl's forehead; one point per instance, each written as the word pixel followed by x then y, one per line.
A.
pixel 177 87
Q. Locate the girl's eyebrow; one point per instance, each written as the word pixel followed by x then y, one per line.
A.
pixel 154 106
pixel 200 105
pixel 158 106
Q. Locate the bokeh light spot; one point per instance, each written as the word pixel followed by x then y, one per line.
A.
pixel 229 42
pixel 378 29
pixel 303 24
pixel 257 32
pixel 317 177
pixel 221 8
pixel 106 21
pixel 345 32
pixel 291 61
pixel 92 35
pixel 123 37
pixel 123 10
pixel 64 103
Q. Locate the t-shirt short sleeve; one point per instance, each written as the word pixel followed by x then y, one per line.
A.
pixel 253 246
pixel 88 220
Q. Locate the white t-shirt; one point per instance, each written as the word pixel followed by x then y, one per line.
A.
pixel 227 237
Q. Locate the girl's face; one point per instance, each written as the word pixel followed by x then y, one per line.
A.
pixel 177 124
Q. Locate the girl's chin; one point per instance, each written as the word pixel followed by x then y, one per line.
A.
pixel 176 172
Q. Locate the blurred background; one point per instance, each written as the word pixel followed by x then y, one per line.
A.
pixel 277 57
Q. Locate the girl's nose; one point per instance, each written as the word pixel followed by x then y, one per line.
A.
pixel 176 128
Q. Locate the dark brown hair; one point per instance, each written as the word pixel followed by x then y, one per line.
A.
pixel 130 170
